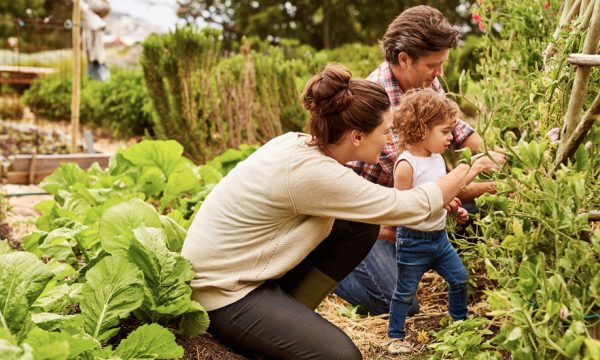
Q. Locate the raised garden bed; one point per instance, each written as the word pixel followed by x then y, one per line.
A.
pixel 28 155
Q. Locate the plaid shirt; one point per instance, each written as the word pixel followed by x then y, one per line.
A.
pixel 382 173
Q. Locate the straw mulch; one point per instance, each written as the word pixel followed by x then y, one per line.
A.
pixel 370 333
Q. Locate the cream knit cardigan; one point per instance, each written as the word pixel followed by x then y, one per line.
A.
pixel 275 207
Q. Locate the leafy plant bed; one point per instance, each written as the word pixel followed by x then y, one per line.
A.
pixel 205 346
pixel 25 139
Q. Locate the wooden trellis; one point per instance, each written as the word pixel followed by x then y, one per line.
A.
pixel 575 125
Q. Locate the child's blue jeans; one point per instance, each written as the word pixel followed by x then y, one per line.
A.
pixel 417 252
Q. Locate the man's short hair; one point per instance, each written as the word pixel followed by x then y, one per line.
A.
pixel 417 31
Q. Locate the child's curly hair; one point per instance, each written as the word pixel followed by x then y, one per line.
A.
pixel 419 110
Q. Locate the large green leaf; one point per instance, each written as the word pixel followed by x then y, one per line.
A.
pixel 164 154
pixel 117 222
pixel 22 279
pixel 151 181
pixel 9 350
pixel 150 341
pixel 166 274
pixel 195 321
pixel 180 181
pixel 175 233
pixel 113 289
pixel 48 345
pixel 66 175
pixel 209 174
pixel 50 321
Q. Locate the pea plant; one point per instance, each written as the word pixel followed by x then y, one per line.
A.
pixel 540 252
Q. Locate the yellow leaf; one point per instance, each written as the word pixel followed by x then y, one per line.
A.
pixel 422 337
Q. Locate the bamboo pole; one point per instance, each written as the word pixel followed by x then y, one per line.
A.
pixel 582 76
pixel 76 75
pixel 585 22
pixel 579 133
pixel 584 60
pixel 582 8
pixel 568 13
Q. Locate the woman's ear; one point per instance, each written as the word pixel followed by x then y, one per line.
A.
pixel 356 137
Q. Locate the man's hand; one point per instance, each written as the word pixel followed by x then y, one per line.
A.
pixel 475 189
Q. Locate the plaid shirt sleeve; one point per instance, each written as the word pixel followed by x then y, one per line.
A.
pixel 460 133
pixel 381 173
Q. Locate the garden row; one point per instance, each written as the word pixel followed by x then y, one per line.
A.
pixel 107 251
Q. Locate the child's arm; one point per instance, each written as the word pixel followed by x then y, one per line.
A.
pixel 403 175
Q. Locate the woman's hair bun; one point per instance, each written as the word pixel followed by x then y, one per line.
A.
pixel 328 92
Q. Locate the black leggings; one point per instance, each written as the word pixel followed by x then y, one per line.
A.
pixel 270 324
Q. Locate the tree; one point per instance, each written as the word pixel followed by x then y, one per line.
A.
pixel 37 24
pixel 324 24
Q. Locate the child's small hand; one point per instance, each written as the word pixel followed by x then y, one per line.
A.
pixel 462 215
pixel 453 205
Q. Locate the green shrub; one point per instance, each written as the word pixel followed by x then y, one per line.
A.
pixel 464 57
pixel 177 72
pixel 10 108
pixel 50 97
pixel 360 59
pixel 121 104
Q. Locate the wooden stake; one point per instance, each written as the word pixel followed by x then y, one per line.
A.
pixel 76 76
pixel 579 133
pixel 582 77
pixel 584 59
pixel 568 13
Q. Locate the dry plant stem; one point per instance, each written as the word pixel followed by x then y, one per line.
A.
pixel 565 18
pixel 249 85
pixel 579 133
pixel 216 114
pixel 582 77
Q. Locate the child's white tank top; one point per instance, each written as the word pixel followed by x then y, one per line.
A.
pixel 425 170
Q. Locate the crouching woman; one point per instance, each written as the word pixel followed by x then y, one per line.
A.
pixel 276 235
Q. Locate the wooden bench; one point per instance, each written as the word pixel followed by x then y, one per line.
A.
pixel 22 74
pixel 32 169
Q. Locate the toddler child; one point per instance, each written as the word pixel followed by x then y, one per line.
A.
pixel 423 121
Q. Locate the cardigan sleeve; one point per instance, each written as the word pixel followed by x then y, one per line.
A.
pixel 328 189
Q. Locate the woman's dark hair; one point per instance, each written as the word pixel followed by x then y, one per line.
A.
pixel 419 110
pixel 416 31
pixel 338 103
